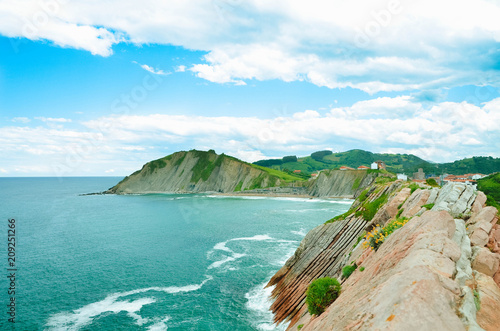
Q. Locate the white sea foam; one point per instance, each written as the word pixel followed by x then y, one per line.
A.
pixel 258 305
pixel 302 232
pixel 234 256
pixel 160 325
pixel 84 316
pixel 218 264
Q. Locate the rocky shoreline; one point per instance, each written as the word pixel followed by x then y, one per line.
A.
pixel 439 271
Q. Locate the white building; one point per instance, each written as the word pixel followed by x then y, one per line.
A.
pixel 402 176
pixel 374 166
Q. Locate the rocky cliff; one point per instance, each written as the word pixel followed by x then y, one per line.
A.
pixel 199 172
pixel 438 271
pixel 341 183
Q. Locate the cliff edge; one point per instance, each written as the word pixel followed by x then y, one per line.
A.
pixel 439 269
pixel 201 172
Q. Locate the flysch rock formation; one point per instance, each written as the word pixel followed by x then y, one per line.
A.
pixel 203 172
pixel 341 183
pixel 440 271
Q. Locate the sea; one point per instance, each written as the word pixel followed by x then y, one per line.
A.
pixel 144 262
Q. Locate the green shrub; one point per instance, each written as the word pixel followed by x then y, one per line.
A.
pixel 321 293
pixel 431 182
pixel 401 205
pixel 362 197
pixel 371 208
pixel 362 269
pixel 399 213
pixel 428 206
pixel 348 270
pixel 300 326
pixel 413 187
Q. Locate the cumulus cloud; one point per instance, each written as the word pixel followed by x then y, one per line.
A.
pixel 372 45
pixel 442 132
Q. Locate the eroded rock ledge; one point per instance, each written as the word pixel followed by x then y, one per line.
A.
pixel 431 274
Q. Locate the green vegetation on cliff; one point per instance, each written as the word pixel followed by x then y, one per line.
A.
pixel 321 293
pixel 490 185
pixel 193 171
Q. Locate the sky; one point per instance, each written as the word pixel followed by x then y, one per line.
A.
pixel 98 88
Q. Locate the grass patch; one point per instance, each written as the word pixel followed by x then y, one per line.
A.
pixel 428 206
pixel 362 197
pixel 413 187
pixel 277 173
pixel 371 208
pixel 180 160
pixel 300 326
pixel 362 269
pixel 384 179
pixel 356 183
pixel 348 270
pixel 477 300
pixel 339 217
pixel 399 213
pixel 238 187
pixel 321 293
pixel 156 164
pixel 203 167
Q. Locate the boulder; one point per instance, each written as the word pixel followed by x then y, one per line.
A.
pixel 390 209
pixel 479 202
pixel 464 201
pixel 415 202
pixel 486 262
pixel 489 295
pixel 456 198
pixel 480 226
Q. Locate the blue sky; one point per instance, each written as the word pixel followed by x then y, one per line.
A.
pixel 92 88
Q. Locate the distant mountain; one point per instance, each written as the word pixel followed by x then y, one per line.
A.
pixel 399 163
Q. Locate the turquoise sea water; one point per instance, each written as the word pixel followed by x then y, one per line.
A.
pixel 146 262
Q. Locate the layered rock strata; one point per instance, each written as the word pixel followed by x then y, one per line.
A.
pixel 433 273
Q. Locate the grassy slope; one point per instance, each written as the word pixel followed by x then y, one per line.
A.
pixel 406 163
pixel 491 187
pixel 204 167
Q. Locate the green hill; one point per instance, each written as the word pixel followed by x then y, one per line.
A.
pixel 399 163
pixel 491 187
pixel 354 158
pixel 199 171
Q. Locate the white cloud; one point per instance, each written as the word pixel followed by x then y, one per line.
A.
pixel 21 119
pixel 51 119
pixel 443 132
pixel 152 70
pixel 372 45
pixel 180 68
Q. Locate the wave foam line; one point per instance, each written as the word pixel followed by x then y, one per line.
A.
pixel 84 316
pixel 234 256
